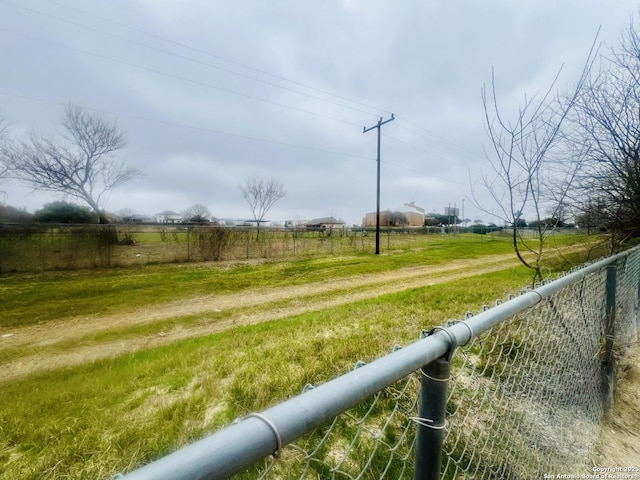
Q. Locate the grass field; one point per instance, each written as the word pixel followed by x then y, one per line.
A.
pixel 101 416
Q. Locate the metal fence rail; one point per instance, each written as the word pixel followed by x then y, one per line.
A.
pixel 523 395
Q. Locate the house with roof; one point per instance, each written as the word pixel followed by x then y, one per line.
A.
pixel 168 217
pixel 324 224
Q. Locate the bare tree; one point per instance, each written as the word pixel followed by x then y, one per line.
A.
pixel 197 213
pixel 80 164
pixel 609 133
pixel 530 171
pixel 4 131
pixel 261 195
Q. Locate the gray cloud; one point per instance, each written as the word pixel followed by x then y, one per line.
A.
pixel 198 124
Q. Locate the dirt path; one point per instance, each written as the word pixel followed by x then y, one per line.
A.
pixel 37 341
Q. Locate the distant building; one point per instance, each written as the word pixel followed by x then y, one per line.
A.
pixel 323 224
pixel 168 217
pixel 414 216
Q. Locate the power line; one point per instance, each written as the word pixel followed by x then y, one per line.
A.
pixel 442 141
pixel 212 55
pixel 177 77
pixel 192 127
pixel 430 153
pixel 238 136
pixel 184 57
pixel 233 135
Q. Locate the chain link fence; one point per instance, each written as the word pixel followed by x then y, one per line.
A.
pixel 41 247
pixel 522 396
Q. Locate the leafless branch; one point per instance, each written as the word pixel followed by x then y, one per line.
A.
pixel 261 195
pixel 607 118
pixel 197 213
pixel 523 163
pixel 80 165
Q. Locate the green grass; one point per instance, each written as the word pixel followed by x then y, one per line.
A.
pixel 94 420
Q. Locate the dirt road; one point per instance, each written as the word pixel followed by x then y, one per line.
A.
pixel 42 345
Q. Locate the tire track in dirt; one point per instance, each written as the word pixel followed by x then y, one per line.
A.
pixel 266 305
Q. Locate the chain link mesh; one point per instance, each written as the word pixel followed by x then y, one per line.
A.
pixel 525 398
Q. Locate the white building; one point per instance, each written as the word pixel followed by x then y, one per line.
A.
pixel 168 217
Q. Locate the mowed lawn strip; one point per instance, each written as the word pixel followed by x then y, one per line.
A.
pixel 95 420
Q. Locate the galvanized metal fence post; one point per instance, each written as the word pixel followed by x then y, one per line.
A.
pixel 431 422
pixel 609 332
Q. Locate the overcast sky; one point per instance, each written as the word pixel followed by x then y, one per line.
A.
pixel 210 92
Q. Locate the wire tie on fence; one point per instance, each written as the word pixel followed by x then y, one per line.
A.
pixel 435 379
pixel 471 334
pixel 427 422
pixel 453 341
pixel 273 428
pixel 539 295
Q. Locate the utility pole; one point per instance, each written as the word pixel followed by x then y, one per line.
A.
pixel 365 130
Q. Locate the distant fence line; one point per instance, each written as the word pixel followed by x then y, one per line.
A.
pixel 516 391
pixel 40 247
